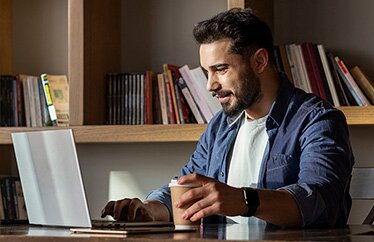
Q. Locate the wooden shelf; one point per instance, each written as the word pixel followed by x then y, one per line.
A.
pixel 162 133
pixel 121 133
pixel 358 115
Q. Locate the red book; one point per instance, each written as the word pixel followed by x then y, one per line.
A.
pixel 309 69
pixel 317 74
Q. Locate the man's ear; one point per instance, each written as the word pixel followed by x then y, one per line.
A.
pixel 260 60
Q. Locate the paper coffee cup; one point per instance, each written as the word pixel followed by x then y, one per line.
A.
pixel 176 192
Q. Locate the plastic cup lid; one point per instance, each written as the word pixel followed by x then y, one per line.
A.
pixel 173 183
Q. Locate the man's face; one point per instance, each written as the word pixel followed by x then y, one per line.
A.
pixel 230 77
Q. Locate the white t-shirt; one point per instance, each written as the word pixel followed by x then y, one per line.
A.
pixel 247 156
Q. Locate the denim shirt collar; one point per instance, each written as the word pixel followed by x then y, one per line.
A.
pixel 279 108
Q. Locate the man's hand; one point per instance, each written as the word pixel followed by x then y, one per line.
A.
pixel 135 210
pixel 213 198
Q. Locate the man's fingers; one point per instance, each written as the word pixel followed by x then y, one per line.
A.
pixel 133 207
pixel 202 208
pixel 194 178
pixel 108 209
pixel 120 209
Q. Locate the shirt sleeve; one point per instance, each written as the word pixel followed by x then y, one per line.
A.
pixel 326 162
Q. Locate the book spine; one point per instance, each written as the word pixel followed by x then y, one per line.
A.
pixel 174 97
pixel 48 98
pixel 286 63
pixel 359 96
pixel 342 96
pixel 199 100
pixel 309 69
pixel 319 70
pixel 201 82
pixel 182 85
pixel 22 213
pixel 179 103
pixel 327 73
pixel 364 82
pixel 292 59
pixel 161 88
pixel 300 63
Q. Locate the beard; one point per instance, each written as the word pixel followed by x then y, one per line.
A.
pixel 246 94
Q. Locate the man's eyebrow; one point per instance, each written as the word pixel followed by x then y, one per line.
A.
pixel 217 66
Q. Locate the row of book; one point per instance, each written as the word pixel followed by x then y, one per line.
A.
pixel 318 71
pixel 177 95
pixel 12 203
pixel 34 101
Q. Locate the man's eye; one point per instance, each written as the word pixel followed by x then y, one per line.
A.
pixel 222 70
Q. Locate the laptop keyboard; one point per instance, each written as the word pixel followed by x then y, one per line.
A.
pixel 121 224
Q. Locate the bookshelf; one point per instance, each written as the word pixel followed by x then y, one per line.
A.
pixel 93 52
pixel 93 40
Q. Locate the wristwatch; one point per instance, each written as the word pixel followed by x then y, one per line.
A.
pixel 252 201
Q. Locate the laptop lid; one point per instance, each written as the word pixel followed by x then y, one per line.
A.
pixel 51 178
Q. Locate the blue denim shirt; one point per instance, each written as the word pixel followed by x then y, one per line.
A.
pixel 308 154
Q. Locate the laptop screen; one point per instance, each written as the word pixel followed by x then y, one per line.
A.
pixel 51 178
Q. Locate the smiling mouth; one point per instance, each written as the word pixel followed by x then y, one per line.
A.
pixel 223 97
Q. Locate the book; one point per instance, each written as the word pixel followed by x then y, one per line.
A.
pixel 351 84
pixel 21 206
pixel 191 103
pixel 363 81
pixel 310 70
pixel 328 75
pixel 201 82
pixel 170 96
pixel 292 59
pixel 286 63
pixel 2 214
pixel 162 96
pixel 300 65
pixel 12 203
pixel 195 93
pixel 156 106
pixel 343 100
pixel 148 99
pixel 48 99
pixel 172 99
pixel 319 70
pixel 59 90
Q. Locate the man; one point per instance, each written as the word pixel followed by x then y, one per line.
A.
pixel 292 147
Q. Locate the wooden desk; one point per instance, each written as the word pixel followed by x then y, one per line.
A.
pixel 353 233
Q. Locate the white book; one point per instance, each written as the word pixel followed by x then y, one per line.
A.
pixel 330 82
pixel 191 103
pixel 291 59
pixel 201 81
pixel 351 83
pixel 195 92
pixel 300 64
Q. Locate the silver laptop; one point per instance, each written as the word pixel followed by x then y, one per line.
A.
pixel 53 187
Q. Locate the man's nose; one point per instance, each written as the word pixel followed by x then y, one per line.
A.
pixel 212 83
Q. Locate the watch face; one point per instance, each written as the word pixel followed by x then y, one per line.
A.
pixel 252 200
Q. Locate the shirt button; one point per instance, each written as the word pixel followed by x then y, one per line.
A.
pixel 222 174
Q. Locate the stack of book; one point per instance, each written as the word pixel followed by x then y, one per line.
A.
pixel 12 203
pixel 311 68
pixel 34 101
pixel 177 95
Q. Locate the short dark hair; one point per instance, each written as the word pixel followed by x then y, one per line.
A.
pixel 247 32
